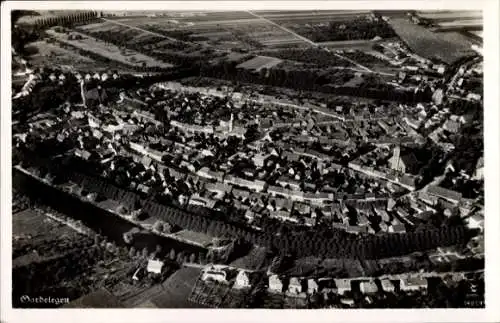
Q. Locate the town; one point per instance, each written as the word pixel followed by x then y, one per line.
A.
pixel 253 159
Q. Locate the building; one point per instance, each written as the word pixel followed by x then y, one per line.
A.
pixel 413 284
pixel 343 286
pixel 451 126
pixel 475 221
pixel 212 272
pixel 242 280
pixel 387 285
pixel 275 285
pixel 295 286
pixel 368 287
pixel 312 286
pixel 404 163
pixel 154 266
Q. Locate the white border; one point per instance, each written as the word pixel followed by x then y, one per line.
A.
pixel 492 179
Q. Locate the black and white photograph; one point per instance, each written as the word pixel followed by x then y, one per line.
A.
pixel 319 159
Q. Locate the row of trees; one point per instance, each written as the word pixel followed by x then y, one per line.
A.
pixel 322 242
pixel 66 20
pixel 286 238
pixel 314 80
pixel 356 29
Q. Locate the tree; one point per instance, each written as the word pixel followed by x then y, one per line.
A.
pixel 167 228
pixel 128 237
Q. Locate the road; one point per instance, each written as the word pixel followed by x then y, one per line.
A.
pixel 310 42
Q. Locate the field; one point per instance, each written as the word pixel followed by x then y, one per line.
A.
pixel 36 238
pixel 59 56
pixel 443 15
pixel 110 51
pixel 446 47
pixel 260 62
pixel 197 237
pixel 176 289
pixel 216 295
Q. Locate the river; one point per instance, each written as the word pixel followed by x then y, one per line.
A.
pixel 100 220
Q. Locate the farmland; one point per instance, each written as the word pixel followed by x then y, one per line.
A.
pixel 215 295
pixel 108 50
pixel 59 56
pixel 260 62
pixel 176 289
pixel 196 237
pixel 426 43
pixel 31 241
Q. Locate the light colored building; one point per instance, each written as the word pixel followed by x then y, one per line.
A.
pixel 413 284
pixel 242 280
pixel 368 287
pixel 295 287
pixel 387 285
pixel 154 266
pixel 213 272
pixel 275 284
pixel 343 285
pixel 312 286
pixel 475 221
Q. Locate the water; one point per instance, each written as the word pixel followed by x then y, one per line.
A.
pixel 108 224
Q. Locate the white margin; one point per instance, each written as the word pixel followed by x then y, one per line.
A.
pixel 492 178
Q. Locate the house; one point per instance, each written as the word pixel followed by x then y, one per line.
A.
pixel 475 221
pixel 275 284
pixel 154 266
pixel 295 286
pixel 312 286
pixel 413 284
pixel 212 272
pixel 397 228
pixel 242 280
pixel 343 285
pixel 368 287
pixel 143 188
pixel 387 285
pixel 451 126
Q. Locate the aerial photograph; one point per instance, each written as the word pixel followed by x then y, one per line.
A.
pixel 321 159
